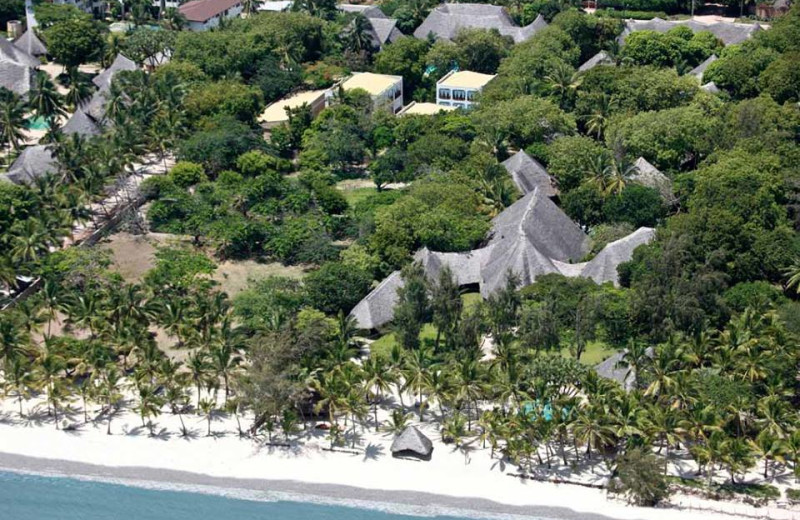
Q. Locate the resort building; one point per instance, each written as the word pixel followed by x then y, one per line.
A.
pixel 386 91
pixel 728 32
pixel 530 238
pixel 446 20
pixel 382 29
pixel 17 68
pixel 423 109
pixel 458 88
pixel 33 162
pixel 275 114
pixel 31 44
pixel 202 15
pixel 275 6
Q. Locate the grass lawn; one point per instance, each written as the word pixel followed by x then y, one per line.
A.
pixel 355 196
pixel 383 345
pixel 595 352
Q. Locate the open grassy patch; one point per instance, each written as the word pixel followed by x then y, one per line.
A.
pixel 595 352
pixel 133 255
pixel 234 277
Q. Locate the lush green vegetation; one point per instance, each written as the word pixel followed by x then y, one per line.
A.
pixel 706 318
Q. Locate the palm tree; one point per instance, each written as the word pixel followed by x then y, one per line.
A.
pixel 198 366
pixel 110 393
pixel 174 20
pixel 589 430
pixel 45 101
pixel 12 121
pixel 149 405
pixel 18 379
pixel 598 119
pixel 208 407
pixel 358 36
pixel 563 81
pixel 398 421
pixel 251 6
pixel 416 375
pixel 617 174
pixel 377 380
pixel 224 356
pixel 792 274
pixel 78 88
pixel 468 386
pixel 770 448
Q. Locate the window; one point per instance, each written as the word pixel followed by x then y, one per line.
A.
pixel 398 93
pixel 444 93
pixel 444 103
pixel 459 95
pixel 459 105
pixel 471 95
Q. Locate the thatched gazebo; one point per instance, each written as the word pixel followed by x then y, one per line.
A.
pixel 412 443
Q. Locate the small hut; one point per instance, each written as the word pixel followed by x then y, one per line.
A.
pixel 412 443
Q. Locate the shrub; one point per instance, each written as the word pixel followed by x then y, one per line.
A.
pixel 336 287
pixel 639 477
pixel 185 174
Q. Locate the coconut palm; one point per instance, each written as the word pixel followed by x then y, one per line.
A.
pixel 224 355
pixel 79 89
pixel 148 406
pixel 12 121
pixel 398 421
pixel 358 36
pixel 792 274
pixel 199 368
pixel 45 101
pixel 208 407
pixel 563 81
pixel 416 375
pixel 377 381
pixel 18 380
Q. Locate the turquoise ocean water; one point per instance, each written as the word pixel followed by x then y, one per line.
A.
pixel 36 497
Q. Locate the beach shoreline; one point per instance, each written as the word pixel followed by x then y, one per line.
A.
pixel 408 502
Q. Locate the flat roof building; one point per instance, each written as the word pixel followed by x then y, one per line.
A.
pixel 458 88
pixel 386 91
pixel 275 114
pixel 423 109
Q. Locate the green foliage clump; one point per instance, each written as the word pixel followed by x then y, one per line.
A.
pixel 639 477
pixel 336 287
pixel 184 174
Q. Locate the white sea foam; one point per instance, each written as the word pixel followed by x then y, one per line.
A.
pixel 254 495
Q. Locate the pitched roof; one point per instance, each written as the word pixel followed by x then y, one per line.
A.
pixel 31 44
pixel 648 175
pixel 412 442
pixel 377 308
pixel 544 224
pixel 698 71
pixel 710 87
pixel 529 174
pixel 81 123
pixel 728 32
pixel 16 77
pixel 601 58
pixel 34 161
pixel 603 267
pixel 369 11
pixel 103 80
pixel 204 10
pixel 446 20
pixel 96 106
pixel 611 369
pixel 11 53
pixel 384 30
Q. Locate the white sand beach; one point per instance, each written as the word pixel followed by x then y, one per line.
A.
pixel 459 479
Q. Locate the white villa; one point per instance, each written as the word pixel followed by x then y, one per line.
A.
pixel 424 109
pixel 458 88
pixel 275 114
pixel 386 91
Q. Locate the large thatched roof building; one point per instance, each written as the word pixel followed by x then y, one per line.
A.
pixel 382 28
pixel 728 32
pixel 412 443
pixel 17 68
pixel 33 162
pixel 529 174
pixel 446 20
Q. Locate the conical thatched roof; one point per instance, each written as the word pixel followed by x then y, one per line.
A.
pixel 529 174
pixel 648 175
pixel 466 267
pixel 446 20
pixel 31 44
pixel 412 443
pixel 544 224
pixel 377 308
pixel 103 80
pixel 33 162
pixel 11 53
pixel 519 256
pixel 603 267
pixel 601 58
pixel 16 77
pixel 698 71
pixel 81 123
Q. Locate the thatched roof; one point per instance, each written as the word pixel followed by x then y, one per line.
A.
pixel 370 11
pixel 648 175
pixel 384 30
pixel 710 87
pixel 446 20
pixel 542 223
pixel 603 267
pixel 103 80
pixel 412 442
pixel 377 308
pixel 698 71
pixel 16 77
pixel 11 53
pixel 466 267
pixel 601 58
pixel 33 162
pixel 728 32
pixel 81 123
pixel 611 369
pixel 30 44
pixel 529 174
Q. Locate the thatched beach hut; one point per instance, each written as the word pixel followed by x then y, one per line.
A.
pixel 412 443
